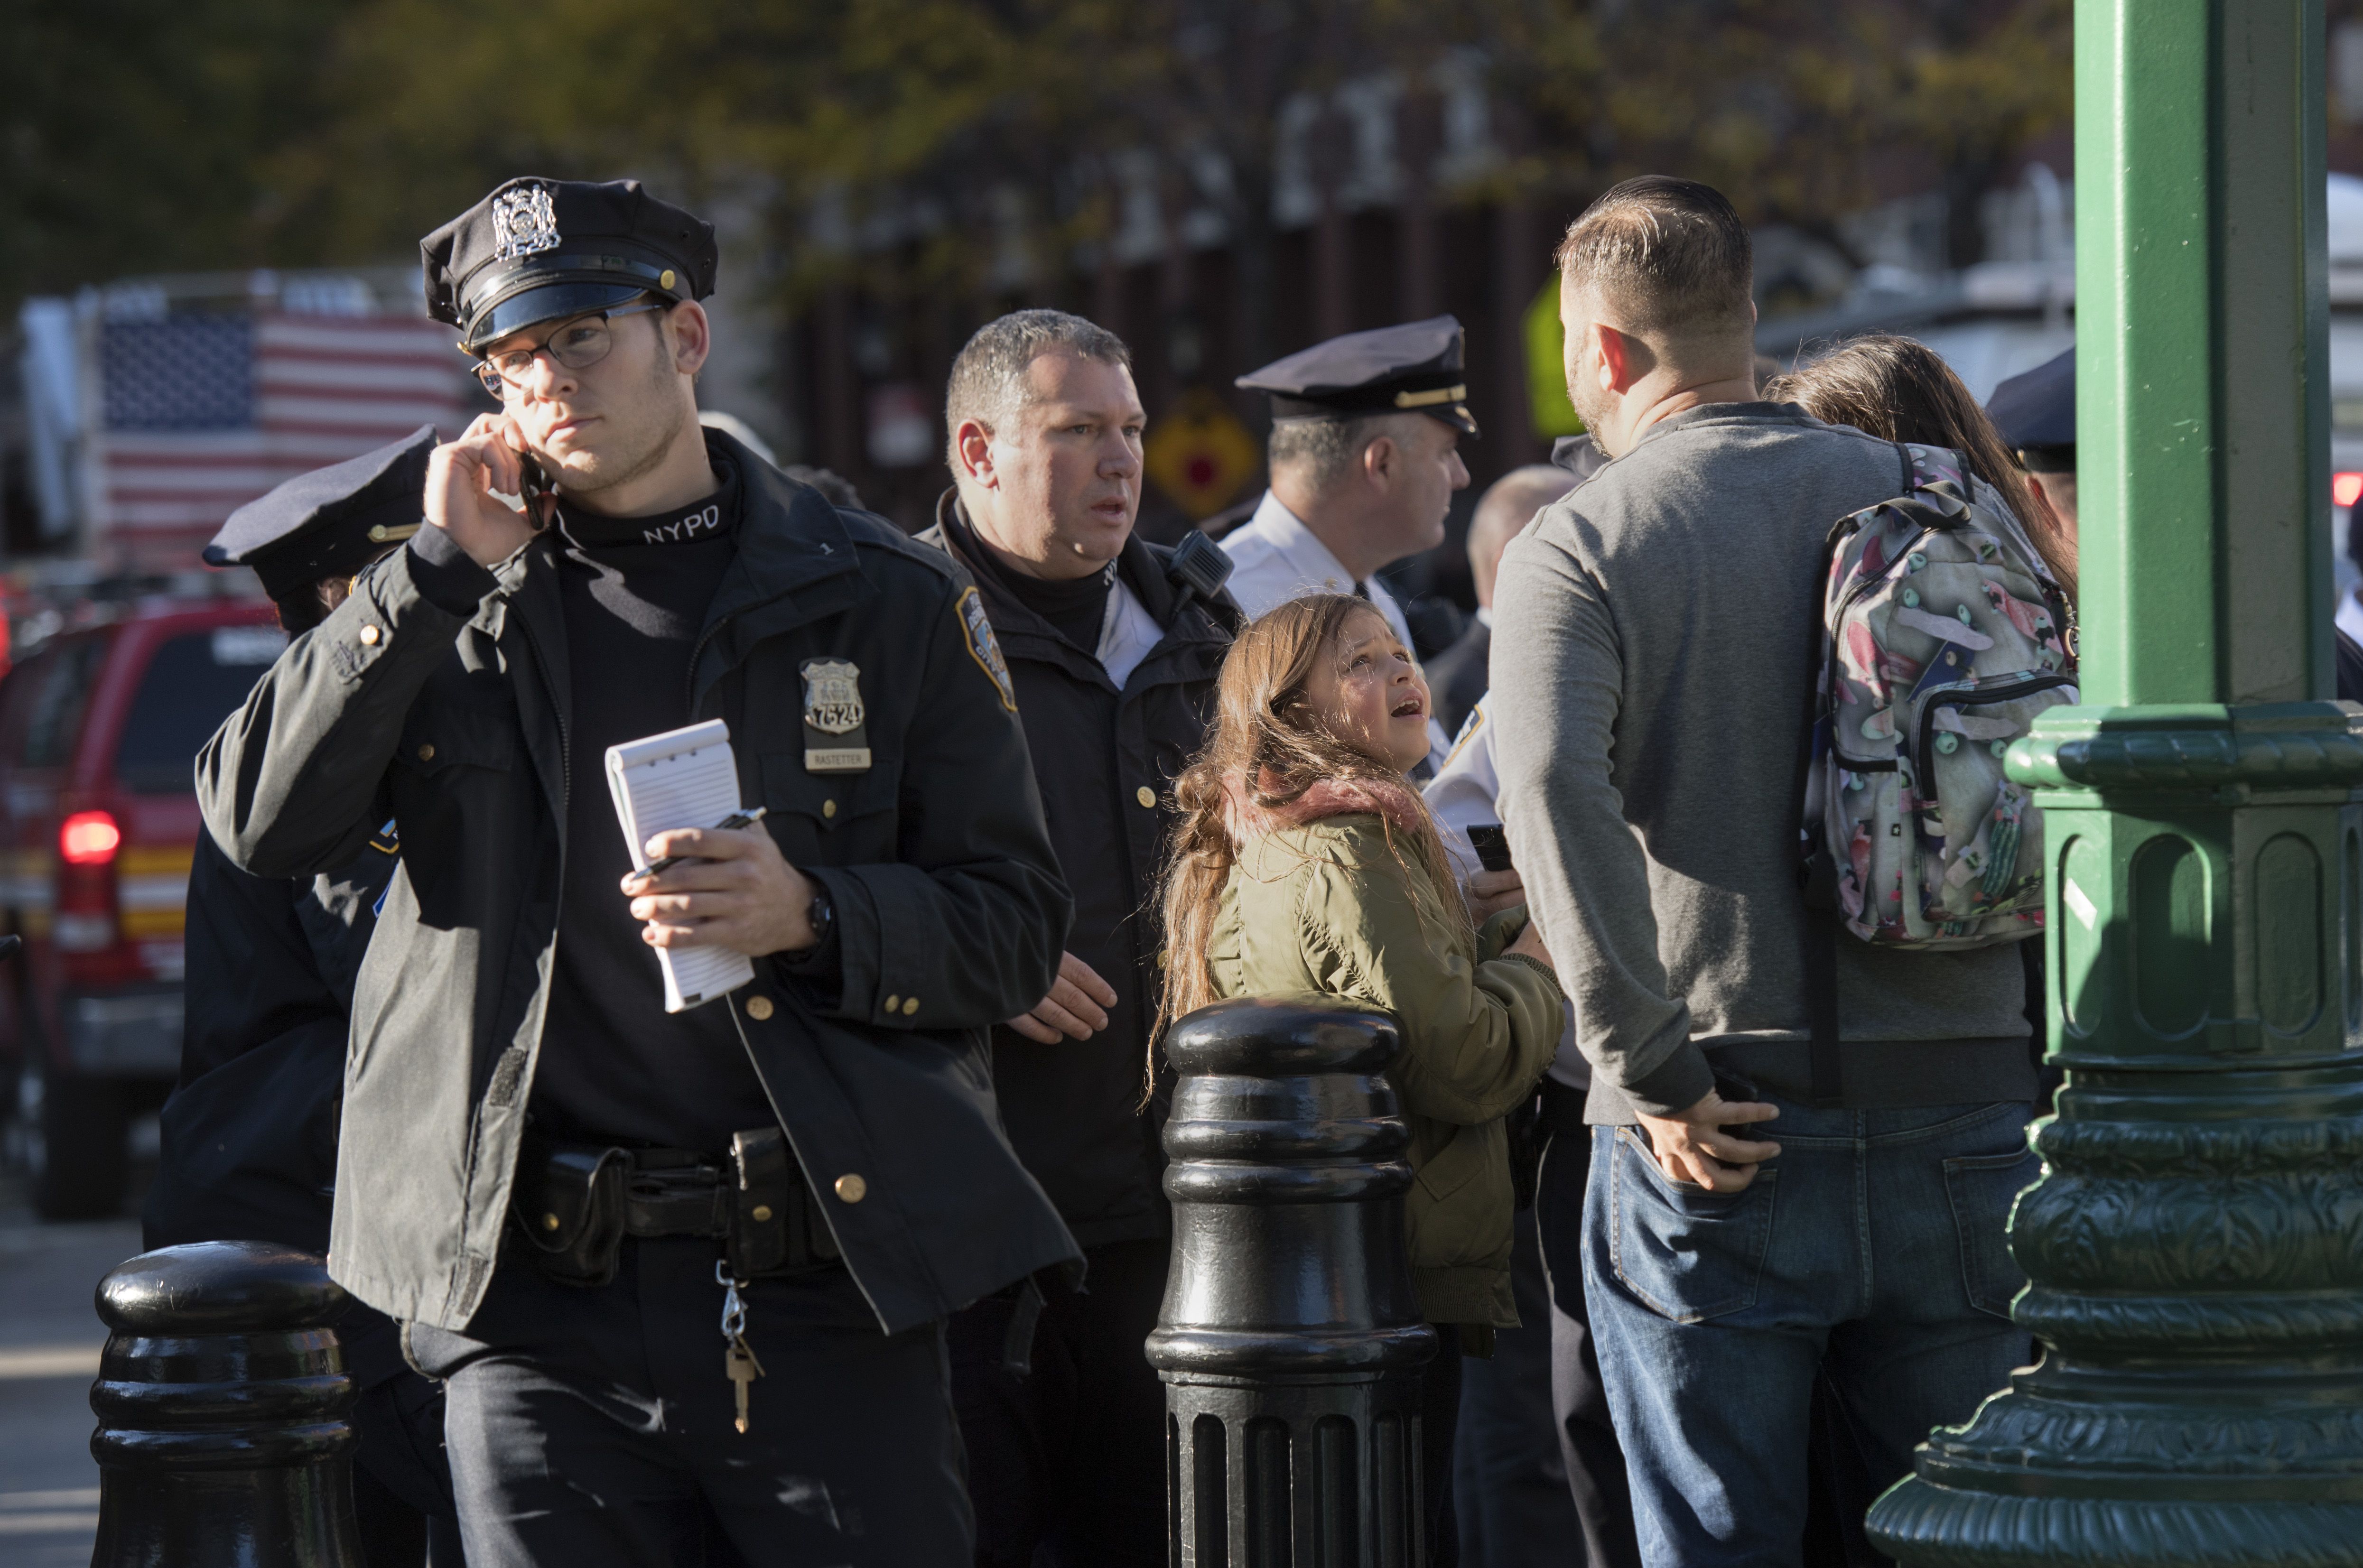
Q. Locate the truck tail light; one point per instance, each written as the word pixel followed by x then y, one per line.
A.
pixel 84 922
pixel 89 838
pixel 2345 489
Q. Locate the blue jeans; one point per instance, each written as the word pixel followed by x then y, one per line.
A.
pixel 1510 1495
pixel 1872 1248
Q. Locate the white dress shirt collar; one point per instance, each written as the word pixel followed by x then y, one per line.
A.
pixel 1128 632
pixel 1299 546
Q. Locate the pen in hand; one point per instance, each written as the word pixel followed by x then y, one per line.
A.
pixel 730 824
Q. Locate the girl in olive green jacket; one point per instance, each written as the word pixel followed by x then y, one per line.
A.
pixel 1305 864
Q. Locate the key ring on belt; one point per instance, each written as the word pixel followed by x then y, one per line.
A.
pixel 733 1310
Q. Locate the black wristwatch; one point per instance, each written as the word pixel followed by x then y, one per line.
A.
pixel 823 914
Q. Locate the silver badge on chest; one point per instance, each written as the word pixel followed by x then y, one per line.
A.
pixel 836 740
pixel 524 223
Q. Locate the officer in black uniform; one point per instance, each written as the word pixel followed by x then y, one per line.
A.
pixel 250 1134
pixel 1113 646
pixel 685 1273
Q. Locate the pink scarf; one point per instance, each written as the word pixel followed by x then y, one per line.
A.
pixel 1243 818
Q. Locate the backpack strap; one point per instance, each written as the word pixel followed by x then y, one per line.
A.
pixel 1817 876
pixel 1828 1069
pixel 1961 455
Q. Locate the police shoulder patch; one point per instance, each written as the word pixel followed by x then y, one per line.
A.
pixel 1468 728
pixel 983 648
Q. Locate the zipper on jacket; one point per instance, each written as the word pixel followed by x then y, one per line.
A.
pixel 1922 764
pixel 565 732
pixel 1857 590
pixel 697 652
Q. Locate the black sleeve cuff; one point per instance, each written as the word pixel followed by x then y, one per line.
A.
pixel 445 575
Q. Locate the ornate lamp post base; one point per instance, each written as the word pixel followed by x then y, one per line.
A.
pixel 2194 1250
pixel 2195 1247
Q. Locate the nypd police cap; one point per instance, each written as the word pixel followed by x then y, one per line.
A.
pixel 539 250
pixel 1414 368
pixel 331 521
pixel 2036 412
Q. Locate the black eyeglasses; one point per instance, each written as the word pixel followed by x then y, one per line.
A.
pixel 578 345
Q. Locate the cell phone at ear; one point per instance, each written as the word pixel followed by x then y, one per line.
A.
pixel 532 485
pixel 1492 847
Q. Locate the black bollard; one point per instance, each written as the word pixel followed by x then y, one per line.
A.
pixel 221 1401
pixel 1289 1341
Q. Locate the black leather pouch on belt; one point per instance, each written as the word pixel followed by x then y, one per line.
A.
pixel 773 1225
pixel 567 1202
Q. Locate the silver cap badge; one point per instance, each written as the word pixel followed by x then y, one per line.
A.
pixel 525 223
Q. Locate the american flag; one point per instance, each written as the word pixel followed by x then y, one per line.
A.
pixel 201 412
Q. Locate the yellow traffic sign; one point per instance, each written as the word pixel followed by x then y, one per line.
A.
pixel 1199 455
pixel 1547 368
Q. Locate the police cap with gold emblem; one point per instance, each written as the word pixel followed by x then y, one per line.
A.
pixel 331 521
pixel 1414 368
pixel 539 251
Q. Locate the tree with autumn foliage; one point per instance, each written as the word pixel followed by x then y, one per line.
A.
pixel 143 135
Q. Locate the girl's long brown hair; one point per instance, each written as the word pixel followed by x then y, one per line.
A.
pixel 1901 389
pixel 1269 741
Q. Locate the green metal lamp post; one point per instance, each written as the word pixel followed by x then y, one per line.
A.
pixel 2195 1247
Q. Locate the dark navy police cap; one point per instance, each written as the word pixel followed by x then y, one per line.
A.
pixel 1414 368
pixel 331 521
pixel 2038 409
pixel 539 250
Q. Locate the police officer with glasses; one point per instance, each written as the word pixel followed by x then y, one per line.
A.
pixel 683 1273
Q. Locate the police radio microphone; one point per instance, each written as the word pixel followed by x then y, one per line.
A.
pixel 1198 570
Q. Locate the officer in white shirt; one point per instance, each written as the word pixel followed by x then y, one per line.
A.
pixel 1364 457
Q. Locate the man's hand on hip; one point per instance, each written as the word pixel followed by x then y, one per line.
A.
pixel 461 477
pixel 737 892
pixel 1076 1007
pixel 1693 1147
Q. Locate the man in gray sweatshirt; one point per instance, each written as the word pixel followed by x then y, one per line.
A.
pixel 1650 727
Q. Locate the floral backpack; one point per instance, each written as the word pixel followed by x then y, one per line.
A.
pixel 1943 635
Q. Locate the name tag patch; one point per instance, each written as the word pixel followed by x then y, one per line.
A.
pixel 836 737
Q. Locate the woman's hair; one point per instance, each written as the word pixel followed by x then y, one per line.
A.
pixel 1901 389
pixel 1269 745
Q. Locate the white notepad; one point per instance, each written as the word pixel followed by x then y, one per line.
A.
pixel 681 778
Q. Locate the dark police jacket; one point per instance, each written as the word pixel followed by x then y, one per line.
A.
pixel 947 896
pixel 1073 1108
pixel 249 1134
